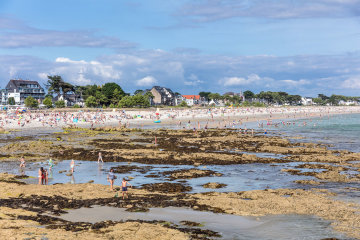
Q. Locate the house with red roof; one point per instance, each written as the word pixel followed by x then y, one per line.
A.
pixel 193 100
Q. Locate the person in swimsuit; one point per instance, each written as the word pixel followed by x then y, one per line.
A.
pixel 40 175
pixel 100 158
pixel 22 162
pixel 45 177
pixel 111 178
pixel 72 165
pixel 124 188
pixel 51 164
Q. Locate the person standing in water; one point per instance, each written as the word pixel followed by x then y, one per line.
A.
pixel 124 188
pixel 22 162
pixel 41 175
pixel 100 158
pixel 111 178
pixel 72 166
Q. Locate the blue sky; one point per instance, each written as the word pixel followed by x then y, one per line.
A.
pixel 300 46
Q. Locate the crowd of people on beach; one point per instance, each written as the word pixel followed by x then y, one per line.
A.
pixel 210 117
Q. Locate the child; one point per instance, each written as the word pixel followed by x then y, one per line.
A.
pixel 124 188
pixel 22 162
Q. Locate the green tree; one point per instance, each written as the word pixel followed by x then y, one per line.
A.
pixel 116 97
pixel 11 101
pixel 248 94
pixel 138 91
pixel 56 85
pixel 108 91
pixel 30 102
pixel 204 94
pixel 319 101
pixel 100 98
pixel 91 102
pixel 48 102
pixel 60 104
pixel 183 104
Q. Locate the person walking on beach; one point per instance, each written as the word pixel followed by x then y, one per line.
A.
pixel 111 178
pixel 124 188
pixel 72 166
pixel 22 162
pixel 100 158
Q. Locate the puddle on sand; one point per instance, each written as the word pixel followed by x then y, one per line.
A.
pixel 229 226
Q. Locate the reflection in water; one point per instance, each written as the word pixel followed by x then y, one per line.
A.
pixel 21 171
pixel 50 173
pixel 72 180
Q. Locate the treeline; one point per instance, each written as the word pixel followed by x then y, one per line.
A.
pixel 268 97
pixel 333 99
pixel 108 95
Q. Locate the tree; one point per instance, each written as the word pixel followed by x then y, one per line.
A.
pixel 183 104
pixel 100 98
pixel 91 102
pixel 30 102
pixel 108 91
pixel 249 94
pixel 58 86
pixel 138 91
pixel 323 97
pixel 214 96
pixel 60 104
pixel 116 97
pixel 204 94
pixel 48 102
pixel 11 101
pixel 54 84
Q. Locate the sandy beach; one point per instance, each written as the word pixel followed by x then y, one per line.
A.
pixel 189 118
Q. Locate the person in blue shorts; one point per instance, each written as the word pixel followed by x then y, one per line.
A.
pixel 124 188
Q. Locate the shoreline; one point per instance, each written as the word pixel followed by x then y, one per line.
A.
pixel 198 118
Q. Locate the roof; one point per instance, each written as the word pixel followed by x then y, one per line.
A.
pixel 197 97
pixel 164 90
pixel 13 83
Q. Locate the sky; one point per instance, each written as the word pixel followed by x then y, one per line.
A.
pixel 302 47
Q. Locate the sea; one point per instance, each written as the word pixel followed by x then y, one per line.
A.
pixel 339 131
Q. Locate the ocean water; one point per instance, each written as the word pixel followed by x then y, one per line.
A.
pixel 341 131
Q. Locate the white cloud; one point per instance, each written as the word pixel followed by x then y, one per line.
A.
pixel 19 35
pixel 214 10
pixel 238 81
pixel 181 72
pixel 352 82
pixel 146 81
pixel 193 80
pixel 295 83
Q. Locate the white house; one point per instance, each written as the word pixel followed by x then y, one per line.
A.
pixel 307 101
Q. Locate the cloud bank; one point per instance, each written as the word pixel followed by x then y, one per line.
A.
pixel 191 73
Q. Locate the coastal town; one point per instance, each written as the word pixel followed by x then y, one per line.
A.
pixel 179 120
pixel 17 91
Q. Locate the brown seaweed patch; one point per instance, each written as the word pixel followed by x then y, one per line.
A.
pixel 166 187
pixel 214 185
pixel 190 173
pixel 131 168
